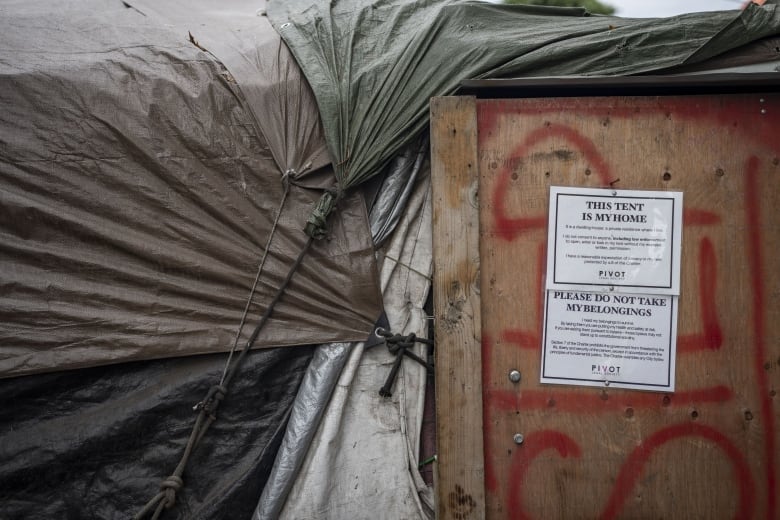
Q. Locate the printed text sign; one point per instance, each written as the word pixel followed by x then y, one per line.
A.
pixel 601 239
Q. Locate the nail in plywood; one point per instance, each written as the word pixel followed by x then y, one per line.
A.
pixel 460 474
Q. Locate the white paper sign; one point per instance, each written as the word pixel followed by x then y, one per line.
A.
pixel 622 240
pixel 609 339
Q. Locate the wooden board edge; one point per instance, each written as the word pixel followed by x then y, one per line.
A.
pixel 460 489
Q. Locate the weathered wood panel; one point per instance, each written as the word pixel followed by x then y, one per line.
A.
pixel 710 450
pixel 460 473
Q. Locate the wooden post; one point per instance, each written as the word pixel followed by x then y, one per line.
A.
pixel 460 468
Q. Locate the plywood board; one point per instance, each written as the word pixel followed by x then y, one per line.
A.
pixel 709 450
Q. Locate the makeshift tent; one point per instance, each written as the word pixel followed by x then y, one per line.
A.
pixel 139 190
pixel 135 216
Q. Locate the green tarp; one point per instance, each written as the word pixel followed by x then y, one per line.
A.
pixel 373 66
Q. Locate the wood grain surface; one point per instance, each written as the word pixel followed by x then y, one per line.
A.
pixel 708 450
pixel 460 467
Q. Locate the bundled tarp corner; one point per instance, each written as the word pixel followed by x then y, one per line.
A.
pixel 149 152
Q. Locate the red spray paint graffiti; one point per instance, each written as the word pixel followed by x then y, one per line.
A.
pixel 508 227
pixel 632 468
pixel 535 443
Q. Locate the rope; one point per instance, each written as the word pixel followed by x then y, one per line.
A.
pixel 400 346
pixel 394 340
pixel 412 269
pixel 285 181
pixel 207 408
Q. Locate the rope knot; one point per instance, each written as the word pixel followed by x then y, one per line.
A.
pixel 396 342
pixel 317 223
pixel 286 176
pixel 218 392
pixel 215 396
pixel 170 486
pixel 408 341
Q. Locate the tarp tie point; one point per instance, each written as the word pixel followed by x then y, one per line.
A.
pixel 399 346
pixel 316 225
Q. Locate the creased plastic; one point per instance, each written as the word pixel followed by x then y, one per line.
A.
pixel 96 443
pixel 395 188
pixel 239 35
pixel 311 402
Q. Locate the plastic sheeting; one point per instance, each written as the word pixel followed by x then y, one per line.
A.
pixel 364 456
pixel 373 66
pixel 759 56
pixel 309 406
pixel 395 188
pixel 95 443
pixel 356 439
pixel 139 185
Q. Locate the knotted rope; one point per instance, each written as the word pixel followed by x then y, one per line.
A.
pixel 207 408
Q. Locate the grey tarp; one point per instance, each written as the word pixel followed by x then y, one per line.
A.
pixel 373 66
pixel 138 187
pixel 240 37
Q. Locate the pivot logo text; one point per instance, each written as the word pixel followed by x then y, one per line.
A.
pixel 612 275
pixel 603 370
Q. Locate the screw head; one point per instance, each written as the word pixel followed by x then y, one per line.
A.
pixel 514 376
pixel 518 438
